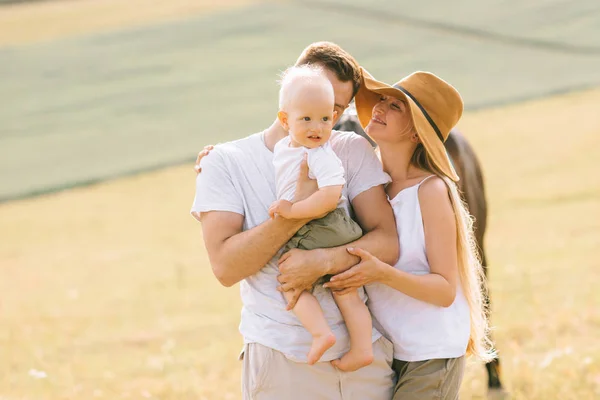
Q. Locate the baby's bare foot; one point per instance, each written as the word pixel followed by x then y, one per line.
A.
pixel 319 346
pixel 353 360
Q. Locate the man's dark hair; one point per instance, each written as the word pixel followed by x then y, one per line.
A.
pixel 333 57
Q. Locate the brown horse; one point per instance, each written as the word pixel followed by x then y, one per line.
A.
pixel 472 189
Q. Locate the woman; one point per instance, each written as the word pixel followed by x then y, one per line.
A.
pixel 430 304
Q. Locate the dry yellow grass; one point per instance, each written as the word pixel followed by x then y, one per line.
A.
pixel 25 23
pixel 107 292
pixel 540 162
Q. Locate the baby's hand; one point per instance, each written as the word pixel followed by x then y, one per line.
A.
pixel 281 207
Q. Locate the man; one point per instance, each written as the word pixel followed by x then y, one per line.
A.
pixel 233 194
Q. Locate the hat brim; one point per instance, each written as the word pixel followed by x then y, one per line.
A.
pixel 368 95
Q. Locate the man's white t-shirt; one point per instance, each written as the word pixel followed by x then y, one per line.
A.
pixel 239 177
pixel 323 165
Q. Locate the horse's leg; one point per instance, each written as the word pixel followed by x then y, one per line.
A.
pixel 492 367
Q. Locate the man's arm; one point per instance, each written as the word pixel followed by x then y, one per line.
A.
pixel 375 215
pixel 234 255
pixel 301 268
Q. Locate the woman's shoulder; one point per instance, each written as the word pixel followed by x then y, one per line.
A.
pixel 433 191
pixel 436 207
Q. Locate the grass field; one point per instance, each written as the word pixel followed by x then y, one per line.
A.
pixel 107 291
pixel 32 23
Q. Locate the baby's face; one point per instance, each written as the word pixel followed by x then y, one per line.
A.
pixel 311 116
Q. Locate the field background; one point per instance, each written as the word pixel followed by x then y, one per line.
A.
pixel 105 289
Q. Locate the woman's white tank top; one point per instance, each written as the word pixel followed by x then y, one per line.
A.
pixel 419 330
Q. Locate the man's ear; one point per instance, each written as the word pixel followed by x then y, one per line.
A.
pixel 283 119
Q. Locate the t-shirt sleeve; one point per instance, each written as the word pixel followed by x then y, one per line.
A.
pixel 364 169
pixel 325 166
pixel 215 190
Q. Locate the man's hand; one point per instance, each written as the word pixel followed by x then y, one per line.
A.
pixel 304 185
pixel 201 155
pixel 281 207
pixel 300 269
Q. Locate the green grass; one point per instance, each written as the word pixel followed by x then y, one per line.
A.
pixel 97 106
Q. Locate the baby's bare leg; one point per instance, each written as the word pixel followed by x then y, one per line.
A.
pixel 309 312
pixel 358 321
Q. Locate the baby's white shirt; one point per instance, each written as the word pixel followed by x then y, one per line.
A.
pixel 323 165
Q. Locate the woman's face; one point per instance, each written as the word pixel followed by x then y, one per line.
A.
pixel 391 120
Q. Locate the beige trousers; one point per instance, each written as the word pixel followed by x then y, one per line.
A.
pixel 268 375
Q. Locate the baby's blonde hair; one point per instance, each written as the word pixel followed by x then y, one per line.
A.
pixel 307 73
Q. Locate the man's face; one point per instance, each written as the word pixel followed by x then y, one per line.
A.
pixel 342 93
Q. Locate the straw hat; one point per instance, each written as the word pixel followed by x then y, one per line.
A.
pixel 434 104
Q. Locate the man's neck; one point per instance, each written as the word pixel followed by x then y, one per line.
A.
pixel 274 134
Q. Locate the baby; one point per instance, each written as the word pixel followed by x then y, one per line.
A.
pixel 306 111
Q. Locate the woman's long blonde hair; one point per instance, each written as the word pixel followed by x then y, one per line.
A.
pixel 469 263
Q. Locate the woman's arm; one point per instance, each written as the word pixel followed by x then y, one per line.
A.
pixel 437 287
pixel 301 268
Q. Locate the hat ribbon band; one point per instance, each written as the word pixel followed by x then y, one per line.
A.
pixel 433 125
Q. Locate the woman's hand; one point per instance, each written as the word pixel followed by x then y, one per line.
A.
pixel 370 269
pixel 201 155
